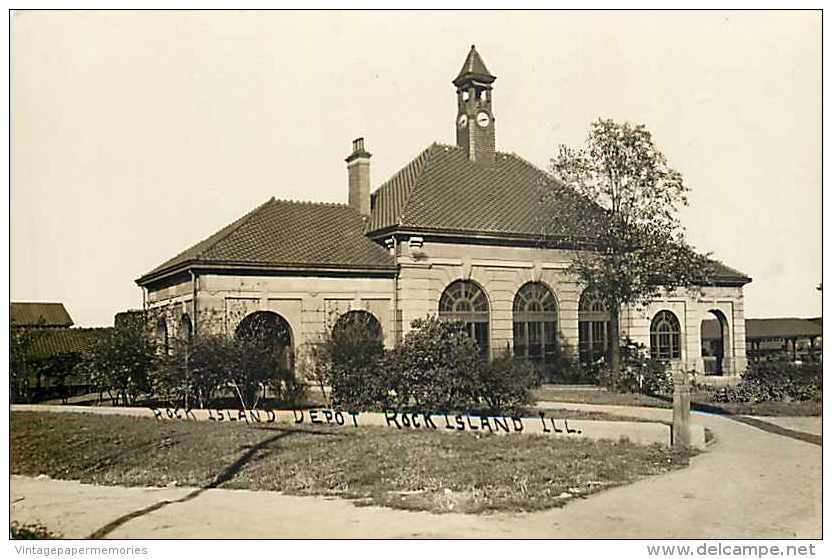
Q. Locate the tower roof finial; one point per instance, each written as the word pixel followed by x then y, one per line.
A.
pixel 473 69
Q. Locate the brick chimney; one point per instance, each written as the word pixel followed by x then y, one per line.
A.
pixel 358 172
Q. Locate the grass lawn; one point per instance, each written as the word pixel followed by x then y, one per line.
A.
pixel 699 402
pixel 422 470
pixel 597 395
pixel 782 409
pixel 561 413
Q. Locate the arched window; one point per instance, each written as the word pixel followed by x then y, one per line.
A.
pixel 466 302
pixel 593 328
pixel 535 323
pixel 162 336
pixel 665 336
pixel 185 330
pixel 359 325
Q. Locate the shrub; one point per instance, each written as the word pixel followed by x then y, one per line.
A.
pixel 58 372
pixel 505 384
pixel 35 531
pixel 207 364
pixel 436 368
pixel 194 373
pixel 257 365
pixel 362 387
pixel 569 371
pixel 21 367
pixel 775 381
pixel 350 360
pixel 169 380
pixel 119 363
pixel 640 373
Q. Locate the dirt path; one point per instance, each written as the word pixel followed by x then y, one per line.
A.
pixel 750 484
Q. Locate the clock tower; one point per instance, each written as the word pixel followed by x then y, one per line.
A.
pixel 475 119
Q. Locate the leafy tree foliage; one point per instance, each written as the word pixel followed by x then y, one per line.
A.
pixel 58 370
pixel 196 372
pixel 261 365
pixel 632 201
pixel 120 362
pixel 775 381
pixel 351 360
pixel 262 356
pixel 640 373
pixel 505 383
pixel 436 367
pixel 21 371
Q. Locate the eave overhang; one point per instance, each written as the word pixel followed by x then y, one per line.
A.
pixel 247 268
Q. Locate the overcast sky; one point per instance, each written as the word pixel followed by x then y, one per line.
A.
pixel 136 135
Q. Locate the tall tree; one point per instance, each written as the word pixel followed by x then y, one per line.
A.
pixel 637 248
pixel 119 362
pixel 22 374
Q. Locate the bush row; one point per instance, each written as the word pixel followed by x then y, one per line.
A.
pixel 436 368
pixel 127 365
pixel 775 381
pixel 640 373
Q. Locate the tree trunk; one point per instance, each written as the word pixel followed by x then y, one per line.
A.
pixel 615 345
pixel 323 392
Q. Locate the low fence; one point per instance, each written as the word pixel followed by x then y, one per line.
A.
pixel 544 424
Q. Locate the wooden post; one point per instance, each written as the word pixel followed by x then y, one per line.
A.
pixel 681 410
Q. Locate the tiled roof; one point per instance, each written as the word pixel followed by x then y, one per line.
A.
pixel 289 234
pixel 723 273
pixel 769 328
pixel 441 189
pixel 473 67
pixel 65 340
pixel 781 327
pixel 39 314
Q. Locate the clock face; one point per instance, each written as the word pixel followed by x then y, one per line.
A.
pixel 483 119
pixel 462 121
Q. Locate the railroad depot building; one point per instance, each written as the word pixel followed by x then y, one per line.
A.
pixel 462 231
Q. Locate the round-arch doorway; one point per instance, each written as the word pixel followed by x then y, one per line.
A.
pixel 716 344
pixel 359 326
pixel 270 329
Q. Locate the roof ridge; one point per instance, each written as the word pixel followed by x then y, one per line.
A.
pixel 308 202
pixel 443 145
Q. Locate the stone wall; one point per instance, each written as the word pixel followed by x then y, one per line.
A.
pixel 500 271
pixel 311 304
pixel 428 268
pixel 691 308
